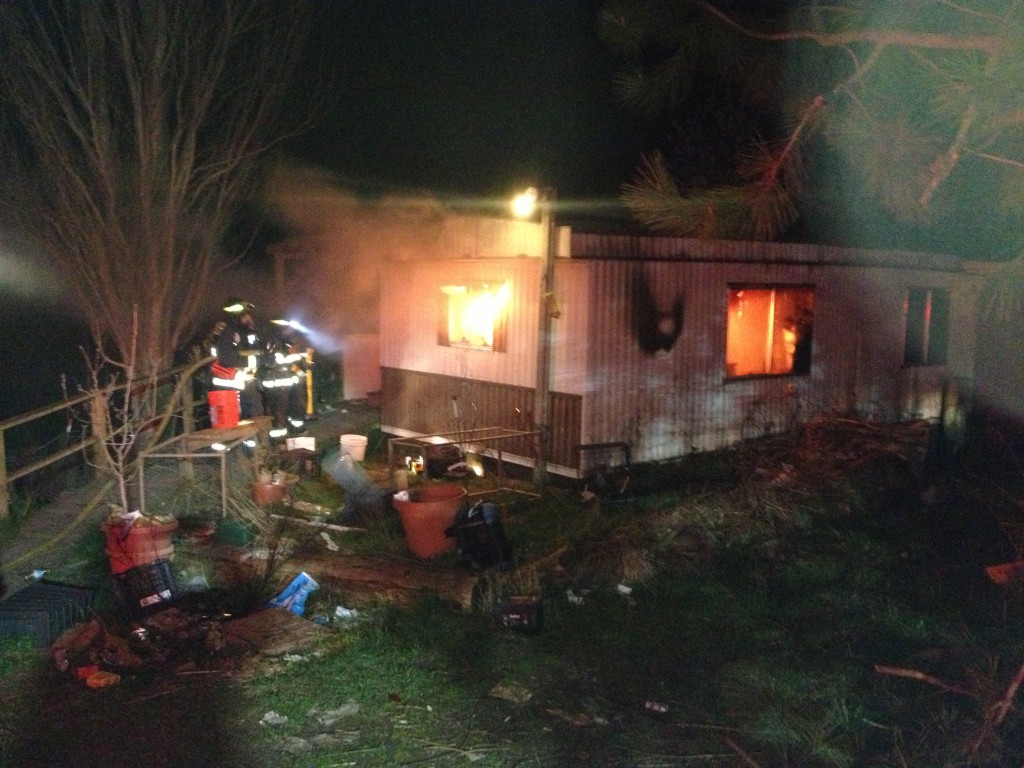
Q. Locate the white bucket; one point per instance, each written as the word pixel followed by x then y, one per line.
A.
pixel 354 446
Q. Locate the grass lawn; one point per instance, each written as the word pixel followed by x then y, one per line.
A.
pixel 752 609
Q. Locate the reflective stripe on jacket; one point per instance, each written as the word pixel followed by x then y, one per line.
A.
pixel 222 371
pixel 223 376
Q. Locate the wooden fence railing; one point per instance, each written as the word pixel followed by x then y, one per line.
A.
pixel 96 401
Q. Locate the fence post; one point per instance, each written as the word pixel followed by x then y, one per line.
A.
pixel 5 497
pixel 188 406
pixel 188 420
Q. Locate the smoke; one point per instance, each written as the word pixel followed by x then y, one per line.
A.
pixel 333 261
pixel 27 279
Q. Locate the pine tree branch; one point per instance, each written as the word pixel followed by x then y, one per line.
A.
pixel 1018 164
pixel 989 44
pixel 944 164
pixel 772 176
pixel 913 674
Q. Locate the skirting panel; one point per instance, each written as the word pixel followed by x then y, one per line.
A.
pixel 428 403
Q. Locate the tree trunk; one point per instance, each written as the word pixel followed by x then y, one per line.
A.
pixel 367 579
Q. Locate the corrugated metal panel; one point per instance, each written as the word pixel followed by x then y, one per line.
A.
pixel 476 237
pixel 669 400
pixel 410 302
pixel 427 404
pixel 650 247
pixel 44 610
pixel 652 389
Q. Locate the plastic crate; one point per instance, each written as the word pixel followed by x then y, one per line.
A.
pixel 524 613
pixel 43 610
pixel 146 585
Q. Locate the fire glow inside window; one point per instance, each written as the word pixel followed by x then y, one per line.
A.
pixel 927 311
pixel 473 316
pixel 769 330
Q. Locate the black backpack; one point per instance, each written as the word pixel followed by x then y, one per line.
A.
pixel 480 537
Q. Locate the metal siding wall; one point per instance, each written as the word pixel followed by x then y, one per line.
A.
pixel 410 303
pixel 666 402
pixel 651 247
pixel 670 402
pixel 635 396
pixel 570 343
pixel 475 237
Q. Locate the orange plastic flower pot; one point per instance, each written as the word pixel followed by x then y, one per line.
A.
pixel 431 509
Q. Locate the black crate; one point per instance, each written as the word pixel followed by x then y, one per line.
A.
pixel 439 457
pixel 43 610
pixel 145 586
pixel 524 613
pixel 302 462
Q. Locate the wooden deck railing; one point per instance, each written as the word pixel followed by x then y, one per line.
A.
pixel 183 408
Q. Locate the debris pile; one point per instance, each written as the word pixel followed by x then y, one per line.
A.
pixel 862 466
pixel 834 444
pixel 180 639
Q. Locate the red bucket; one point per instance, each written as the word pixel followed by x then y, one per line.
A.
pixel 130 545
pixel 225 408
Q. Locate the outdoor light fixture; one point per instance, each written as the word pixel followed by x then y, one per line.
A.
pixel 523 205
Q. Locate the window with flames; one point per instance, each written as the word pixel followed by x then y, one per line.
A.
pixel 474 316
pixel 769 330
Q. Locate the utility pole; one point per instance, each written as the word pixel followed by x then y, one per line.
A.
pixel 545 301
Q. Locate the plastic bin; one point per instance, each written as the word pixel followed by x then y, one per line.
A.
pixel 354 446
pixel 129 545
pixel 146 585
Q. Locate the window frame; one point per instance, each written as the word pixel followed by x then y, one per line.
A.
pixel 807 288
pixel 500 326
pixel 926 326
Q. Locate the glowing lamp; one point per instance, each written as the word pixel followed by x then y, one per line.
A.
pixel 525 203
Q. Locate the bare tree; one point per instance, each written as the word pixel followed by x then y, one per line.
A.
pixel 135 129
pixel 920 102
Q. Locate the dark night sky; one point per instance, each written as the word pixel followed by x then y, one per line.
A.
pixel 471 98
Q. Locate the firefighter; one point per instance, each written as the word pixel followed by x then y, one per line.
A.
pixel 236 344
pixel 283 377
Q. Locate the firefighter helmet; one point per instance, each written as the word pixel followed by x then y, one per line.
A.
pixel 236 306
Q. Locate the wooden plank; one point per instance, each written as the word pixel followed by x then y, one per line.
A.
pixel 363 579
pixel 367 578
pixel 204 437
pixel 273 632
